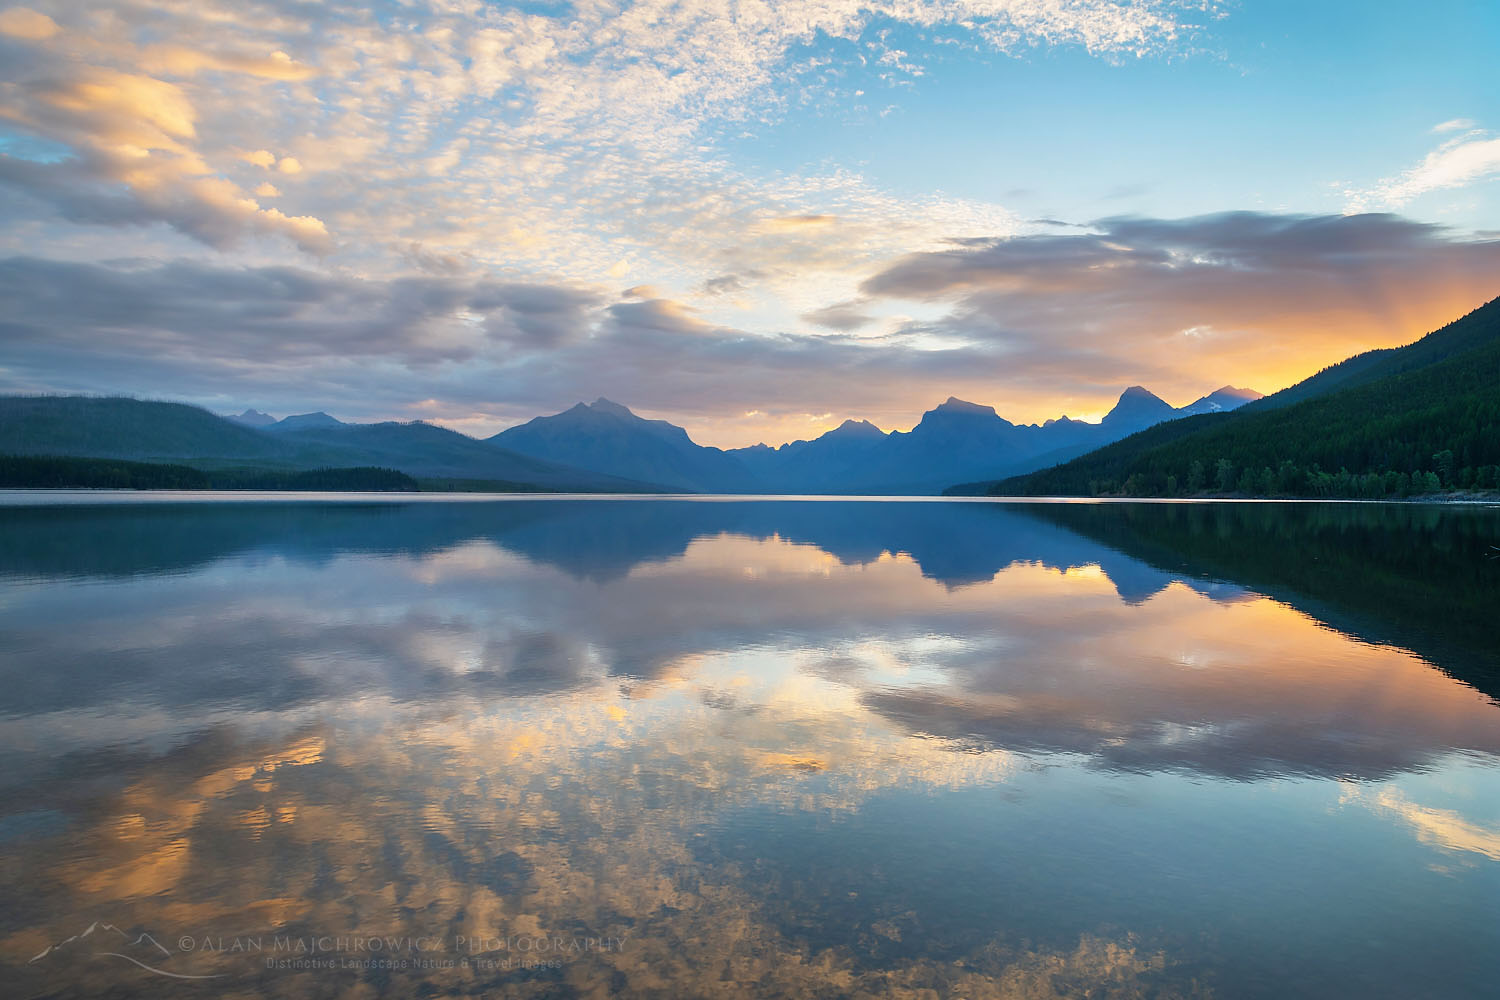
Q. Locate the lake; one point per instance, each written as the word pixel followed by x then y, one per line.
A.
pixel 768 748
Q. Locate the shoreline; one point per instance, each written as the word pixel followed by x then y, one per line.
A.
pixel 71 497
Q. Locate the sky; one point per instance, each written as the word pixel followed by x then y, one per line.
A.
pixel 755 219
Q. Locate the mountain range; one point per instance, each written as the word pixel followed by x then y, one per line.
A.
pixel 147 431
pixel 1390 422
pixel 953 441
pixel 591 447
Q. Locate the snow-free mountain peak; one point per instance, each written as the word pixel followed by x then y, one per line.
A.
pixel 955 405
pixel 307 421
pixel 856 429
pixel 251 418
pixel 1140 406
pixel 604 436
pixel 602 405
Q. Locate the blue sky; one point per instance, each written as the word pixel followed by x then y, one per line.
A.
pixel 1285 105
pixel 753 219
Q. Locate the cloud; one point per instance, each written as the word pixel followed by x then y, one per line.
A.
pixel 1453 125
pixel 360 692
pixel 658 316
pixel 1459 162
pixel 1263 298
pixel 475 140
pixel 188 315
pixel 1254 246
pixel 842 316
pixel 133 139
pixel 178 60
pixel 798 223
pixel 1037 325
pixel 725 284
pixel 1442 828
pixel 296 339
pixel 983 666
pixel 523 141
pixel 25 23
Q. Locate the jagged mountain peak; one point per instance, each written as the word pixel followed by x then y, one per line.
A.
pixel 251 418
pixel 1137 404
pixel 603 405
pixel 856 428
pixel 1220 400
pixel 955 405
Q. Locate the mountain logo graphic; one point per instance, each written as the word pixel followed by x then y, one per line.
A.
pixel 108 941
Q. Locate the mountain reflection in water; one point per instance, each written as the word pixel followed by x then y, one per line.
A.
pixel 771 748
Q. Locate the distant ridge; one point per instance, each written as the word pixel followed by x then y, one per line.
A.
pixel 305 421
pixel 609 438
pixel 142 431
pixel 251 418
pixel 1221 400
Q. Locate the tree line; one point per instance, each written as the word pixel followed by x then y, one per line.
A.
pixel 66 472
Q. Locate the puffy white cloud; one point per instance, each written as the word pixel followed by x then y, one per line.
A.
pixel 134 141
pixel 525 141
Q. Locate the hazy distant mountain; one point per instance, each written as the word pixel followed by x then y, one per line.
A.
pixel 954 438
pixel 824 464
pixel 298 421
pixel 305 421
pixel 1221 400
pixel 1138 408
pixel 606 437
pixel 960 441
pixel 251 418
pixel 855 457
pixel 955 441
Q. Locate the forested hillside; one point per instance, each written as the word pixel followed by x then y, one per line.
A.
pixel 1416 420
pixel 59 472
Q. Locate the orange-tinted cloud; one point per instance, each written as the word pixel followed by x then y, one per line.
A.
pixel 27 24
pixel 1260 299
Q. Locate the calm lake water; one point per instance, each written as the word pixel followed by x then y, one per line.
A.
pixel 652 748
